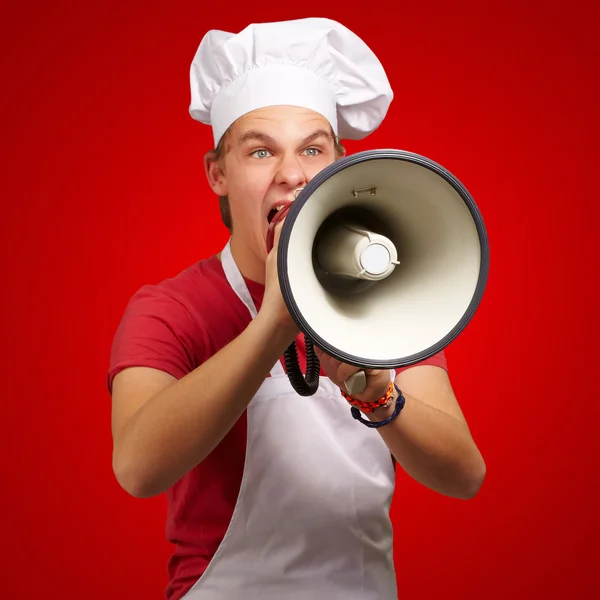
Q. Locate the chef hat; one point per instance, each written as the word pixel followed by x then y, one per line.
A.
pixel 314 63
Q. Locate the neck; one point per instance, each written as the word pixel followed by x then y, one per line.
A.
pixel 252 267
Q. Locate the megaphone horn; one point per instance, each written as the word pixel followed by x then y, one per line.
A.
pixel 383 260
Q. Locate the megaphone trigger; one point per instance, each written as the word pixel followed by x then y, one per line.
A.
pixel 356 384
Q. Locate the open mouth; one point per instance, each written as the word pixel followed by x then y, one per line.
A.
pixel 273 212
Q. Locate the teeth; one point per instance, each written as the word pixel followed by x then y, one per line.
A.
pixel 274 211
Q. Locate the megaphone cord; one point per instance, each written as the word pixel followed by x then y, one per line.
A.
pixel 304 385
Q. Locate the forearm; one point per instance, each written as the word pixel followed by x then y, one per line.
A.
pixel 176 429
pixel 434 448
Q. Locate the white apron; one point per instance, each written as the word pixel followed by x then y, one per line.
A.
pixel 312 516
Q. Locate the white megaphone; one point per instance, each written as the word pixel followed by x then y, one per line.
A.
pixel 383 259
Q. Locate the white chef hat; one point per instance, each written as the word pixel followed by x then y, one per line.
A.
pixel 314 63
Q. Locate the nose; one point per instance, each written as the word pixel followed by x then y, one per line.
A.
pixel 290 173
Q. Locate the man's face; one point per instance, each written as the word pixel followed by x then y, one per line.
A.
pixel 270 153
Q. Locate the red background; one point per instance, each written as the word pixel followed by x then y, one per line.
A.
pixel 103 190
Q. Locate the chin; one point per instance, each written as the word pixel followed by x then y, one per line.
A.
pixel 259 242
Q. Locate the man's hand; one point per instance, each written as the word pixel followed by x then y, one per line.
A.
pixel 273 305
pixel 377 380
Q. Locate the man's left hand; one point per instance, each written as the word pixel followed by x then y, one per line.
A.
pixel 377 380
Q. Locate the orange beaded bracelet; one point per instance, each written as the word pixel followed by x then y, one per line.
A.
pixel 369 407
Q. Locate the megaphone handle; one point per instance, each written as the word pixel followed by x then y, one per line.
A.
pixel 305 386
pixel 356 384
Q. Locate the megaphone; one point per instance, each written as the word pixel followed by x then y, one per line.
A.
pixel 382 261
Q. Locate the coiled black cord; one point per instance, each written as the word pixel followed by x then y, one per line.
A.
pixel 305 386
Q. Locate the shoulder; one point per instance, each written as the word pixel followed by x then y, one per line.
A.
pixel 201 282
pixel 191 298
pixel 174 325
pixel 438 359
pixel 167 304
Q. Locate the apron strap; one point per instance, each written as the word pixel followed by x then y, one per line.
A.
pixel 238 285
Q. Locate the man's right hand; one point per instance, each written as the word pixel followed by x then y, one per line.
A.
pixel 273 306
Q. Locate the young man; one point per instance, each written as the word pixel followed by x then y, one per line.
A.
pixel 272 495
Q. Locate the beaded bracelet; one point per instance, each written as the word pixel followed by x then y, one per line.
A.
pixel 366 407
pixel 400 401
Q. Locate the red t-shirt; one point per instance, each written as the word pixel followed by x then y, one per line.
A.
pixel 175 326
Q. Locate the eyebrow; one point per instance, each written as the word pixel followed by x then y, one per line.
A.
pixel 267 139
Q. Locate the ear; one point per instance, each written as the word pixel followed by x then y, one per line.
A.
pixel 215 173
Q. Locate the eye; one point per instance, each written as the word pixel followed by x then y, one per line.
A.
pixel 262 153
pixel 312 151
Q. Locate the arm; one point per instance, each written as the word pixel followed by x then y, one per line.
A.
pixel 430 438
pixel 163 427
